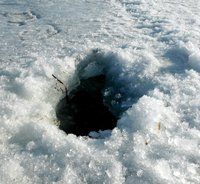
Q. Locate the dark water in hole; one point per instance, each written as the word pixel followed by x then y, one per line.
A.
pixel 84 111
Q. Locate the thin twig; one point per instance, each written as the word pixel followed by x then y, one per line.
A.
pixel 64 86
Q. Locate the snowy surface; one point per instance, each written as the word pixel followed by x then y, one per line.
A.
pixel 149 52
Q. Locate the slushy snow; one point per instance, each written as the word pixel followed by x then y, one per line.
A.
pixel 149 52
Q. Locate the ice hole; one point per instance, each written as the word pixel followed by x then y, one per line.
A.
pixel 84 110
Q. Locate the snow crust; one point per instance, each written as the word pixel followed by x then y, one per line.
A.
pixel 149 52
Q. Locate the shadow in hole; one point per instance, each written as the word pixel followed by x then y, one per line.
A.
pixel 84 110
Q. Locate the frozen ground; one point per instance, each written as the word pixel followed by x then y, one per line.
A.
pixel 149 52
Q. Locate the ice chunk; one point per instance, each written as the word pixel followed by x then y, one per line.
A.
pixel 194 61
pixel 31 145
pixel 105 133
pixel 187 144
pixel 92 70
pixel 93 134
pixel 163 169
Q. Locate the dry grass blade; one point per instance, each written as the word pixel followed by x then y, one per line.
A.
pixel 63 85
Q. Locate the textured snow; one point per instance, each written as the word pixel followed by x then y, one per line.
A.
pixel 149 52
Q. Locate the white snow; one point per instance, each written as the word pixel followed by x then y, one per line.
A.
pixel 149 51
